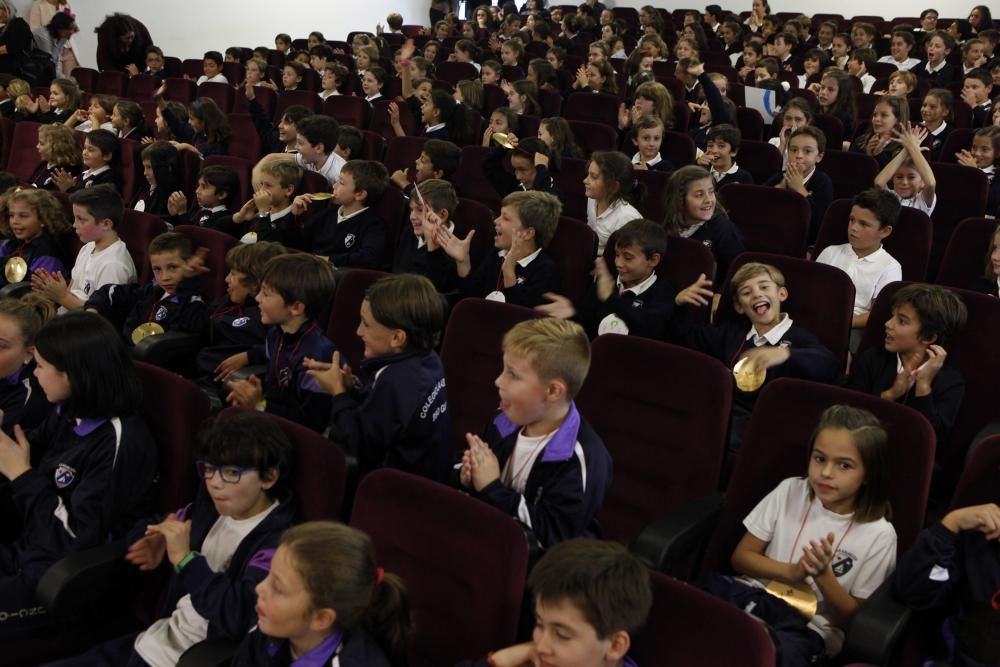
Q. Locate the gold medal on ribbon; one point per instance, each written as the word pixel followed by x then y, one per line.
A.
pixel 145 330
pixel 799 596
pixel 502 139
pixel 15 270
pixel 748 376
pixel 320 196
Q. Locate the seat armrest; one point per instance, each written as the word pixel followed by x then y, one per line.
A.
pixel 876 629
pixel 209 653
pixel 81 579
pixel 163 348
pixel 678 533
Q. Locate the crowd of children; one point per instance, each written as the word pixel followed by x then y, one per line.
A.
pixel 77 462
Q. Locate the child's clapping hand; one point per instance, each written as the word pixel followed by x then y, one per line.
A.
pixel 332 377
pixel 817 556
pixel 177 535
pixel 485 468
pixel 966 158
pixel 177 203
pixel 698 293
pixel 247 393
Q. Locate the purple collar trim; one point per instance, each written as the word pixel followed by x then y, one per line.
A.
pixel 562 444
pixel 87 426
pixel 317 657
pixel 16 377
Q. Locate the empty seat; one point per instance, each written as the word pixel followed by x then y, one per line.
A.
pixel 380 120
pixel 573 248
pixel 23 155
pixel 772 220
pixel 180 90
pixel 245 141
pixel 851 173
pixel 454 71
pixel 141 87
pixel 222 93
pixel 962 193
pixel 470 180
pixel 569 180
pixel 677 147
pixel 761 159
pixel 592 137
pixel 592 107
pixel 289 98
pixel 110 82
pixel 964 261
pixel 348 110
pixel 959 139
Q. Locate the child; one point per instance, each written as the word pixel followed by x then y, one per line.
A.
pixel 902 83
pixel 442 116
pixel 890 116
pixel 21 398
pixel 97 115
pixel 859 65
pixel 417 250
pixel 647 135
pixel 325 602
pixel 985 156
pixel 291 75
pixel 990 283
pixel 352 234
pixel 913 181
pixel 539 460
pixel 714 110
pixel 170 301
pixel 635 301
pixel 874 214
pixel 294 290
pixel 976 92
pixel 154 63
pixel 612 192
pixel 128 121
pixel 594 592
pixel 438 159
pixel 60 158
pixel 280 138
pixel 161 169
pixel 558 136
pixel 835 95
pixel 795 114
pixel 269 211
pixel 207 130
pixel 372 82
pixel 490 73
pixel 529 160
pixel 935 112
pixel 316 141
pixel 899 51
pixel 805 150
pixel 218 186
pixel 952 566
pixel 333 78
pixel 936 70
pixel 63 101
pixel 212 68
pixel 86 474
pixel 100 157
pixel 33 226
pixel 400 419
pixel 804 533
pixel 103 260
pixel 911 366
pixel 720 156
pixel 350 143
pixel 220 545
pixel 282 43
pixel 256 73
pixel 234 321
pixel 522 97
pixel 520 272
pixel 767 338
pixel 693 211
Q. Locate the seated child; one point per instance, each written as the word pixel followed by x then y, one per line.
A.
pixel 61 158
pixel 715 110
pixel 805 150
pixel 723 143
pixel 985 156
pixel 520 272
pixel 765 336
pixel 352 234
pixel 316 141
pixel 172 300
pixel 96 116
pixel 34 223
pixel 295 289
pixel 267 216
pixel 85 475
pixel 976 92
pixel 100 157
pixel 953 567
pixel 913 181
pixel 161 169
pixel 936 111
pixel 613 192
pixel 281 137
pixel 635 301
pixel 539 460
pixel 990 283
pixel 593 591
pixel 874 214
pixel 400 418
pixel 103 260
pixel 154 63
pixel 324 602
pixel 529 162
pixel 694 211
pixel 890 118
pixel 218 186
pixel 859 65
pixel 212 68
pixel 824 536
pixel 350 143
pixel 234 320
pixel 205 132
pixel 438 159
pixel 647 135
pixel 910 366
pixel 418 250
pixel 234 524
pixel 21 397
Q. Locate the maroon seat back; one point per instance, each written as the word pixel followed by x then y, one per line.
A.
pixel 551 103
pixel 776 446
pixel 472 355
pixel 978 483
pixel 110 82
pixel 394 209
pixel 573 247
pixel 142 87
pixel 221 93
pixel 653 206
pixel 86 77
pixel 348 110
pixel 6 138
pixel 380 120
pixel 454 71
pixel 403 152
pixel 691 402
pixel 569 180
pixel 23 154
pixel 591 136
pixel 960 138
pixel 180 90
pixel 851 173
pixel 677 147
pixel 751 125
pixel 287 98
pixel 962 193
pixel 909 243
pixel 472 215
pixel 245 142
pixel 831 126
pixel 482 565
pixel 213 283
pixel 137 230
pixel 345 315
pixel 470 180
pixel 594 107
pixel 243 169
pixel 964 261
pixel 266 98
pixel 760 158
pixel 772 220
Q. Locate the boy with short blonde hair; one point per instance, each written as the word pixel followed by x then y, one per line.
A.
pixel 267 216
pixel 539 460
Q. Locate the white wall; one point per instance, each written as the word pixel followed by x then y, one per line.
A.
pixel 188 28
pixel 888 9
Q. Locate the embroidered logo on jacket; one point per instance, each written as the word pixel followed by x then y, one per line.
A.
pixel 64 475
pixel 240 322
pixel 349 240
pixel 161 313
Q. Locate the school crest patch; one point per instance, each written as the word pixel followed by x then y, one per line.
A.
pixel 240 322
pixel 64 476
pixel 842 565
pixel 349 240
pixel 161 313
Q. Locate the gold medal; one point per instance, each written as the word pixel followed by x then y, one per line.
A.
pixel 748 376
pixel 15 270
pixel 799 596
pixel 320 196
pixel 145 330
pixel 502 139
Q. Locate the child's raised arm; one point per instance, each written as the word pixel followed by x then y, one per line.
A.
pixel 405 53
pixel 911 140
pixel 889 170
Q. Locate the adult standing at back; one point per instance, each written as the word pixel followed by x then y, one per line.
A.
pixel 40 14
pixel 15 37
pixel 122 41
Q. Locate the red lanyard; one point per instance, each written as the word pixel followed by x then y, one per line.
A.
pixel 156 305
pixel 228 309
pixel 795 545
pixel 527 460
pixel 277 352
pixel 732 362
pixel 996 600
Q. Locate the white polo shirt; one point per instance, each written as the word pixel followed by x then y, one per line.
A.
pixel 330 169
pixel 605 224
pixel 869 274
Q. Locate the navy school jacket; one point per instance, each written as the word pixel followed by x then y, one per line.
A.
pixel 233 328
pixel 22 400
pixel 40 253
pixel 646 315
pixel 41 177
pixel 286 230
pixel 225 599
pixel 541 275
pixel 504 181
pixel 204 217
pixel 137 304
pixel 566 486
pixel 109 177
pixel 356 242
pixel 358 649
pixel 723 238
pixel 436 266
pixel 289 390
pixel 90 482
pixel 400 418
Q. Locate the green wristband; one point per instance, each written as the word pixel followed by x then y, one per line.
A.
pixel 184 561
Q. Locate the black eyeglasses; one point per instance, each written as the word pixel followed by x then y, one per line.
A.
pixel 230 474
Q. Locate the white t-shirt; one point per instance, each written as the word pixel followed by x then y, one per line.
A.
pixel 522 460
pixel 917 202
pixel 218 78
pixel 164 642
pixel 330 169
pixel 865 557
pixel 93 270
pixel 869 274
pixel 607 223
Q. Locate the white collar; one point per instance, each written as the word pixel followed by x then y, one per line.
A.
pixel 688 232
pixel 875 256
pixel 342 218
pixel 614 205
pixel 936 68
pixel 719 175
pixel 216 209
pixel 637 159
pixel 809 176
pixel 524 261
pixel 279 214
pixel 433 128
pixel 372 98
pixel 640 288
pixel 99 170
pixel 773 336
pixel 940 129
